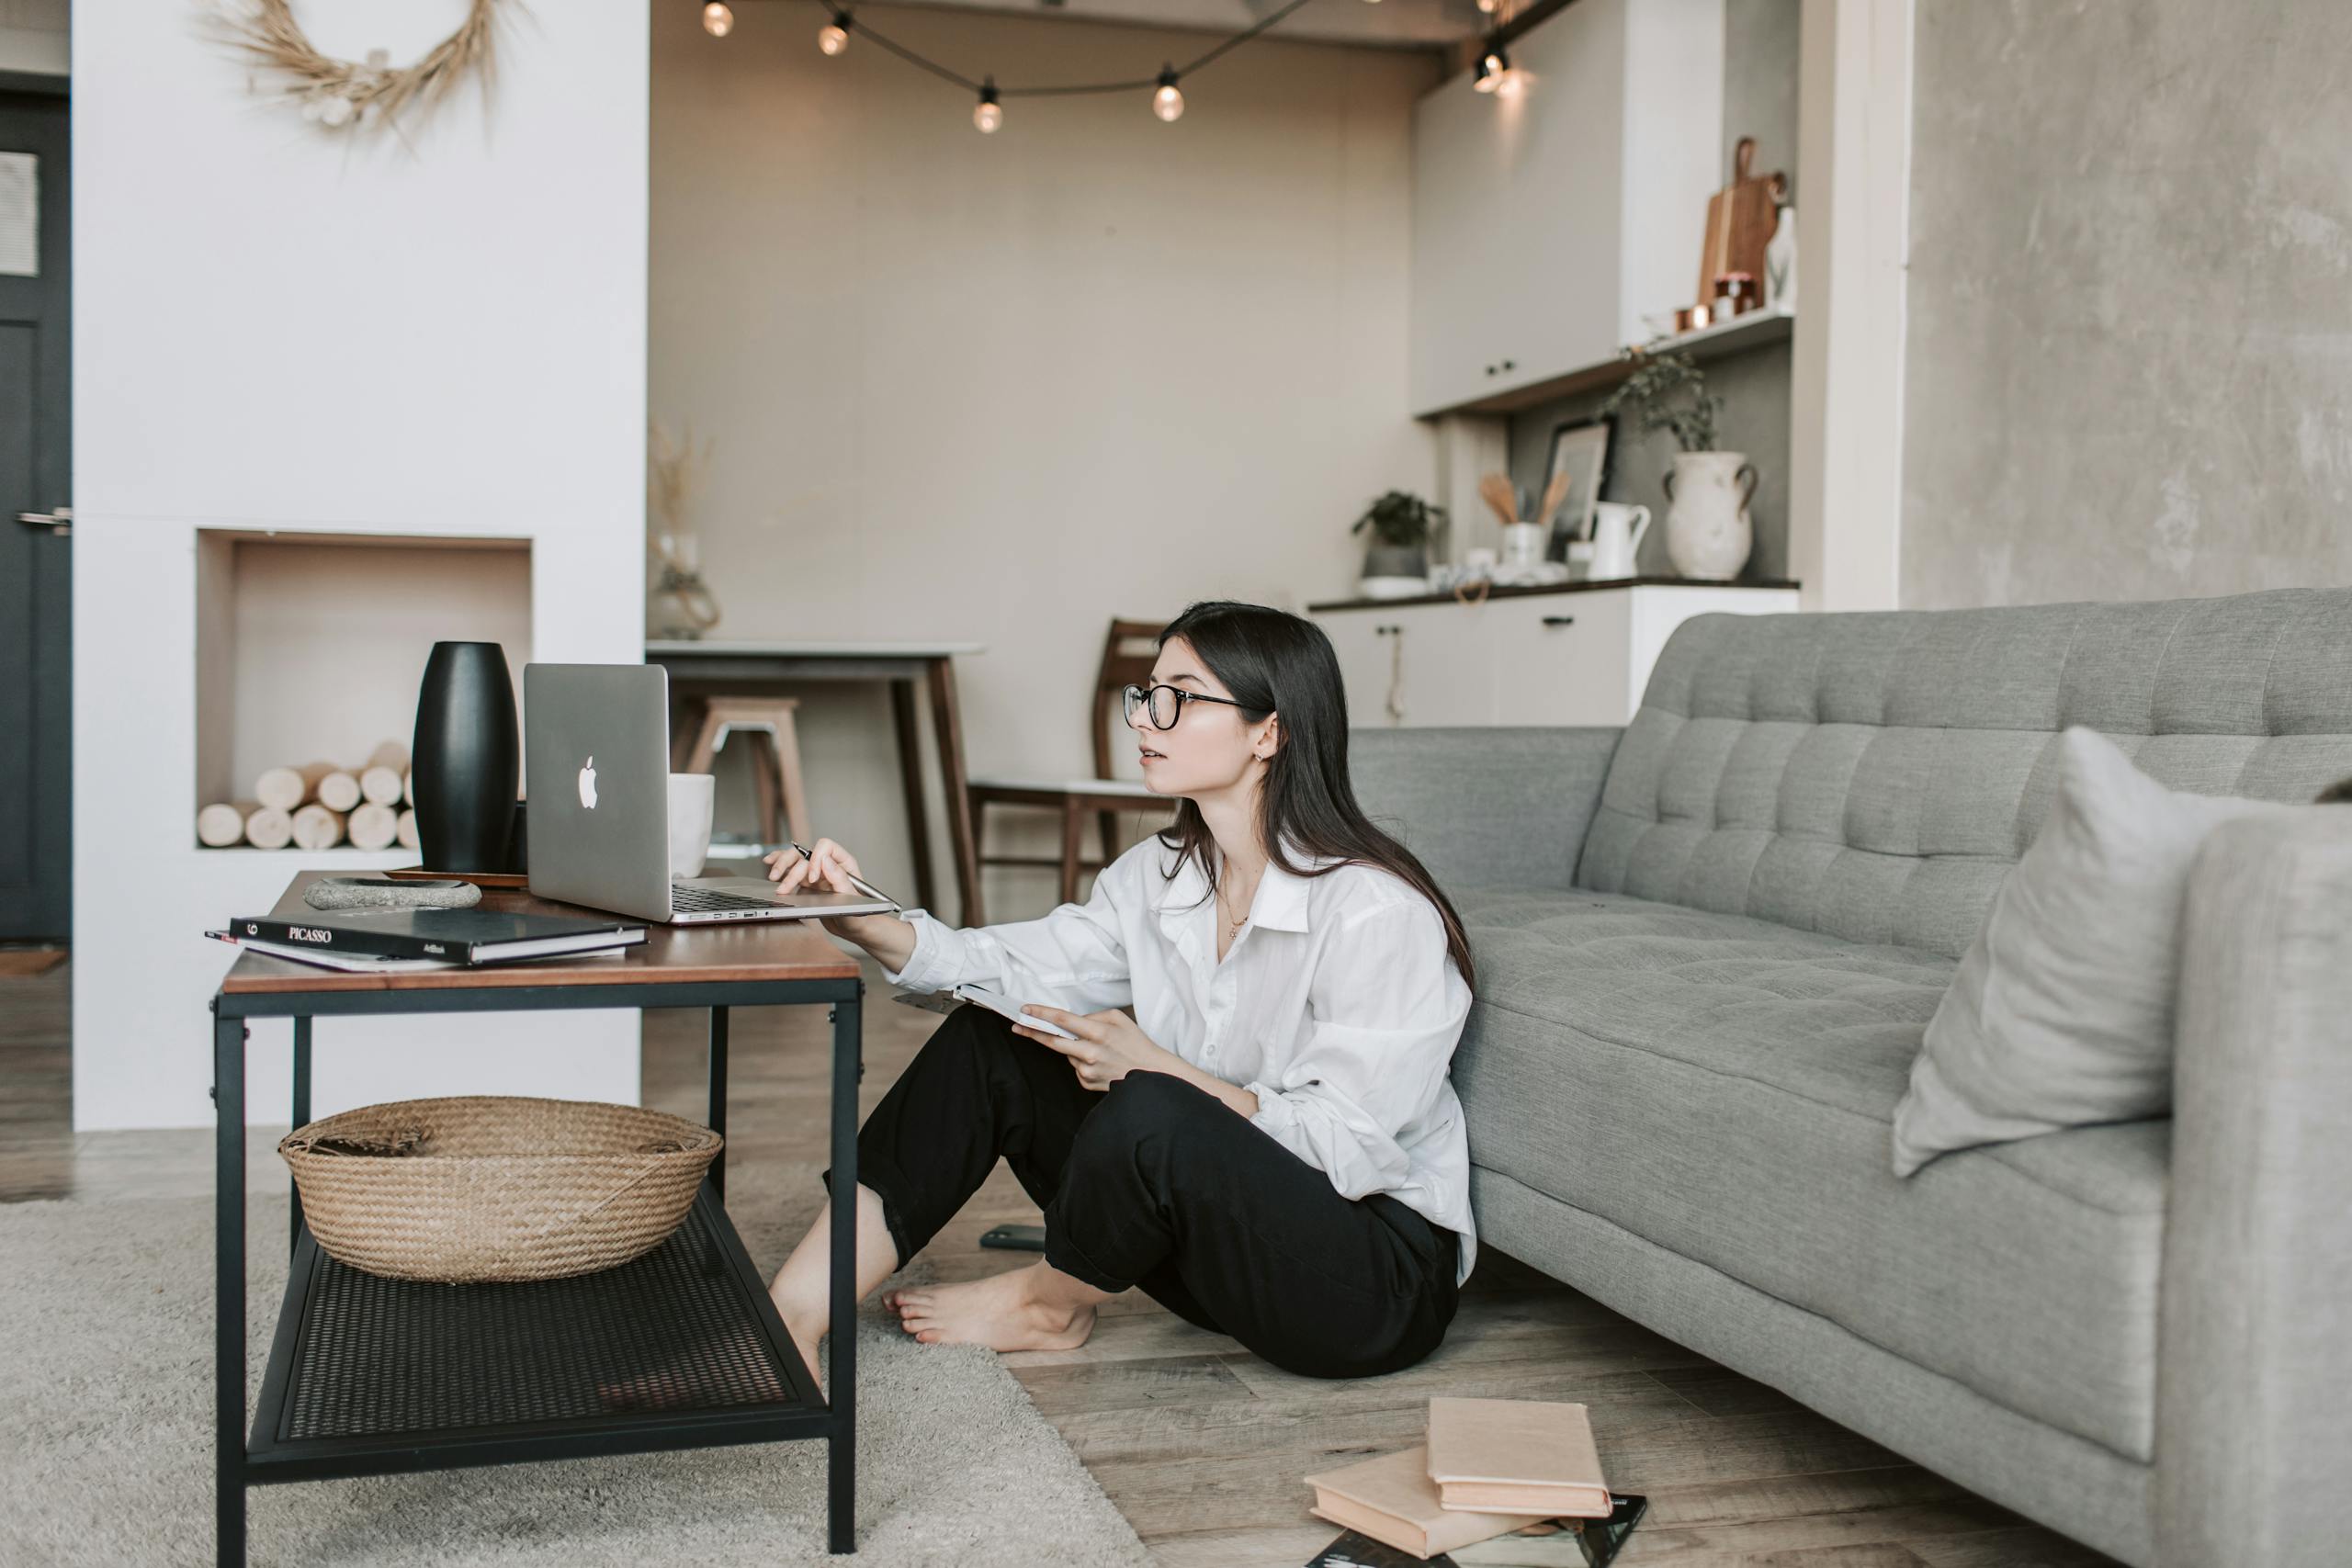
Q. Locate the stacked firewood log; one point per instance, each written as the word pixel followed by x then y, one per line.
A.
pixel 319 806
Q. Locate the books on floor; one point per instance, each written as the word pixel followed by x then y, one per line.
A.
pixel 1555 1543
pixel 1518 1456
pixel 1356 1549
pixel 1393 1499
pixel 1559 1543
pixel 1526 1469
pixel 393 940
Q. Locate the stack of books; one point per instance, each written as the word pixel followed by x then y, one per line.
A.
pixel 1500 1481
pixel 399 941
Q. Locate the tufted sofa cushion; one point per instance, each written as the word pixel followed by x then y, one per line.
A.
pixel 1874 776
pixel 1722 1087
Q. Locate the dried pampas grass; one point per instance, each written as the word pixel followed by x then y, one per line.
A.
pixel 345 94
pixel 675 470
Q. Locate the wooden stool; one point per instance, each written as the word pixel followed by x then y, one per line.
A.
pixel 775 768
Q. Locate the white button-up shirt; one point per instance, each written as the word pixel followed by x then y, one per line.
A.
pixel 1337 1005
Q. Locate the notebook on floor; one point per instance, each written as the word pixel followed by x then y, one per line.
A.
pixel 1555 1543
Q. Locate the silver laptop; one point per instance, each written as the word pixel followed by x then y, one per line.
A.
pixel 596 771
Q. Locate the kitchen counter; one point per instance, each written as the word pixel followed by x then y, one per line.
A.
pixel 1446 596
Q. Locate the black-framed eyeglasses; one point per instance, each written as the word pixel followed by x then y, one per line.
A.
pixel 1166 703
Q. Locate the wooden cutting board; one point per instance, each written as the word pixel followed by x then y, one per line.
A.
pixel 1740 221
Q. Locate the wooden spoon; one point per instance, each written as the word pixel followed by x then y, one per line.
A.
pixel 1499 493
pixel 1554 494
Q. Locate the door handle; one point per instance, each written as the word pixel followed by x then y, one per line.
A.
pixel 58 522
pixel 1559 620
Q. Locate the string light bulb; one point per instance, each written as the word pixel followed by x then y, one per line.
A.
pixel 833 37
pixel 988 113
pixel 1166 101
pixel 1494 65
pixel 717 19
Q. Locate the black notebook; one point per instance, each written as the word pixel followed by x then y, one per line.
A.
pixel 1557 1543
pixel 442 936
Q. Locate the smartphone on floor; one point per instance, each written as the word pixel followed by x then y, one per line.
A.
pixel 1019 1238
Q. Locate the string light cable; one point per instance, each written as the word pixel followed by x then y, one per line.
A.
pixel 987 111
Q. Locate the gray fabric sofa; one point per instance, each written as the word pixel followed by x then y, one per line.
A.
pixel 1708 945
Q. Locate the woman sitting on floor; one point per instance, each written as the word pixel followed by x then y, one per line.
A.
pixel 1270 1146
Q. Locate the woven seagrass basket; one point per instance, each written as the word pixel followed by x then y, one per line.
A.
pixel 495 1187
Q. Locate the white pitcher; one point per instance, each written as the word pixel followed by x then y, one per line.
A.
pixel 1617 531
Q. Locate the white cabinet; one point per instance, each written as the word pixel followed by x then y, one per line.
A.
pixel 1401 663
pixel 1572 656
pixel 1362 643
pixel 1548 222
pixel 1561 659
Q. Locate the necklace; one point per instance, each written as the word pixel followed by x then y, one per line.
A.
pixel 1234 922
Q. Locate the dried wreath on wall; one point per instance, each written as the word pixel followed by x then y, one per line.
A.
pixel 347 94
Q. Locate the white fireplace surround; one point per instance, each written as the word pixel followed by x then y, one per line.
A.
pixel 410 347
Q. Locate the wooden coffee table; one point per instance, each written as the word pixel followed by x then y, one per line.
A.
pixel 369 1376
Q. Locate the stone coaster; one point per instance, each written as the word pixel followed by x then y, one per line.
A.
pixel 345 893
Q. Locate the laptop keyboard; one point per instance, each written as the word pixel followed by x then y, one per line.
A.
pixel 701 900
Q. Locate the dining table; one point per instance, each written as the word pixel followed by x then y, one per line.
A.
pixel 772 668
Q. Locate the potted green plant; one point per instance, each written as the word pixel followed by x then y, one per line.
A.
pixel 1708 530
pixel 1401 523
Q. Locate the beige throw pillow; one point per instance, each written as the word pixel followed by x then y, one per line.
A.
pixel 2061 1013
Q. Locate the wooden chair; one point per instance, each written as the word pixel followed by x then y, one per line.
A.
pixel 1128 654
pixel 775 767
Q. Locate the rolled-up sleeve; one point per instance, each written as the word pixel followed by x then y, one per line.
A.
pixel 1387 1007
pixel 1073 957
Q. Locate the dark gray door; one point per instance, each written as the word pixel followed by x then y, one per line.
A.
pixel 35 558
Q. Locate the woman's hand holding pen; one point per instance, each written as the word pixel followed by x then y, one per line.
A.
pixel 829 868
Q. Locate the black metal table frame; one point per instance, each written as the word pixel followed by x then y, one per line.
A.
pixel 269 1461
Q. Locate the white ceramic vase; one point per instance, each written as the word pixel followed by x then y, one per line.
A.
pixel 1708 533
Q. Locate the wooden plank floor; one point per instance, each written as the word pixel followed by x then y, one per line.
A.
pixel 1199 1444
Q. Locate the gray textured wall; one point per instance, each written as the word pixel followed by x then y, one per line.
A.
pixel 2129 362
pixel 1759 100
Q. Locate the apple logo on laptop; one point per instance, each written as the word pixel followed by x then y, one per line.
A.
pixel 588 784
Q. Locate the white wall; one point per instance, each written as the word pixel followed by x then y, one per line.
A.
pixel 1005 387
pixel 273 329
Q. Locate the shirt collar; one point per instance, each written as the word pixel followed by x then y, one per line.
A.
pixel 1279 902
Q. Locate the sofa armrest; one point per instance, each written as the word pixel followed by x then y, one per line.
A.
pixel 2254 1397
pixel 1484 808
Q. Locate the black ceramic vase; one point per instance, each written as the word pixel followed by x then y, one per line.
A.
pixel 466 761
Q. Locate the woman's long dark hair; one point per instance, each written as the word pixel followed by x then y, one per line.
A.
pixel 1274 662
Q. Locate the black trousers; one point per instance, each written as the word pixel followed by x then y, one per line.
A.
pixel 1161 1185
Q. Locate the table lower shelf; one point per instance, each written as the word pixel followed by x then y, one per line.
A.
pixel 680 1348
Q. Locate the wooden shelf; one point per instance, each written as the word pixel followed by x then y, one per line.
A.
pixel 1529 591
pixel 1758 329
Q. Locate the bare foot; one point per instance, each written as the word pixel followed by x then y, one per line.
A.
pixel 999 1312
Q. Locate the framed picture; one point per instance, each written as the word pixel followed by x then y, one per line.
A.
pixel 1580 447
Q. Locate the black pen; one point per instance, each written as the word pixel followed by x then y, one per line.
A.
pixel 854 880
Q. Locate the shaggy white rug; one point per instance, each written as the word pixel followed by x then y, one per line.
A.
pixel 106 1433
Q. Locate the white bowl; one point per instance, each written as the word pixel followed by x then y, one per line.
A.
pixel 1391 587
